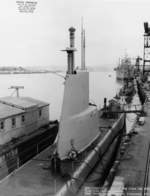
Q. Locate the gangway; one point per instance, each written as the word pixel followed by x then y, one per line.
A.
pixel 128 109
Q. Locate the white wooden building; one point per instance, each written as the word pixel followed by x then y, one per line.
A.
pixel 20 116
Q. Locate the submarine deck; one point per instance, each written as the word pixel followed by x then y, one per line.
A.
pixel 35 177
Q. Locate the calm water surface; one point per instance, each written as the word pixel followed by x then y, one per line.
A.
pixel 49 87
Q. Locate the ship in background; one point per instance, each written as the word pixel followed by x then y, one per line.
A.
pixel 125 69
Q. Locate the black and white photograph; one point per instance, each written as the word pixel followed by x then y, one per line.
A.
pixel 74 98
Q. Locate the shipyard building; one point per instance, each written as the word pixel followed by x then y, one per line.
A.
pixel 20 116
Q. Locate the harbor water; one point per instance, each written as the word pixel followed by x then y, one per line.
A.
pixel 49 87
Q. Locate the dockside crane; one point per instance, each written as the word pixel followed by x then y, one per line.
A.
pixel 146 52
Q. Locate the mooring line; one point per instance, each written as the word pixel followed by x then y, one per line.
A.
pixel 145 184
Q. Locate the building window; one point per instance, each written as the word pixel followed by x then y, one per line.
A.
pixel 22 118
pixel 40 113
pixel 13 122
pixel 2 125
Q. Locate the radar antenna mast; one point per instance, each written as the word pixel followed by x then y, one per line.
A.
pixel 17 88
pixel 82 46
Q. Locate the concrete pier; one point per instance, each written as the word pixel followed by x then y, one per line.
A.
pixel 132 168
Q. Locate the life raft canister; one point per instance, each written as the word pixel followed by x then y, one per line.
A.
pixel 73 154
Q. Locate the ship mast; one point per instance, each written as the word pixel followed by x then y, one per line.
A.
pixel 70 51
pixel 82 46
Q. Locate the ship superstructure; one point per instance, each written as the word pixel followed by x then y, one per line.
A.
pixel 125 69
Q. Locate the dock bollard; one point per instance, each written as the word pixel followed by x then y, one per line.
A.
pixel 18 162
pixel 56 164
pixel 122 150
pixel 37 149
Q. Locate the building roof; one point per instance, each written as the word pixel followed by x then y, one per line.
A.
pixel 7 111
pixel 11 106
pixel 22 102
pixel 36 101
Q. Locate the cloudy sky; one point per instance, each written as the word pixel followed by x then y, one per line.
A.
pixel 113 27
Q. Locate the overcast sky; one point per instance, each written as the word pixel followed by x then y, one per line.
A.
pixel 112 28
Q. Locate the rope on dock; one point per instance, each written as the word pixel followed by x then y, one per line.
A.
pixel 145 184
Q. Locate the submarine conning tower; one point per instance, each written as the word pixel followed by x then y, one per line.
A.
pixel 79 124
pixel 70 51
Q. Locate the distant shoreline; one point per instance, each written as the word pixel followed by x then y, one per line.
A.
pixel 26 72
pixel 40 70
pixel 45 72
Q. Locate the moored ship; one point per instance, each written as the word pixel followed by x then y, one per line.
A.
pixel 125 69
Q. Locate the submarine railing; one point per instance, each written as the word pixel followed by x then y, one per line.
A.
pixel 146 176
